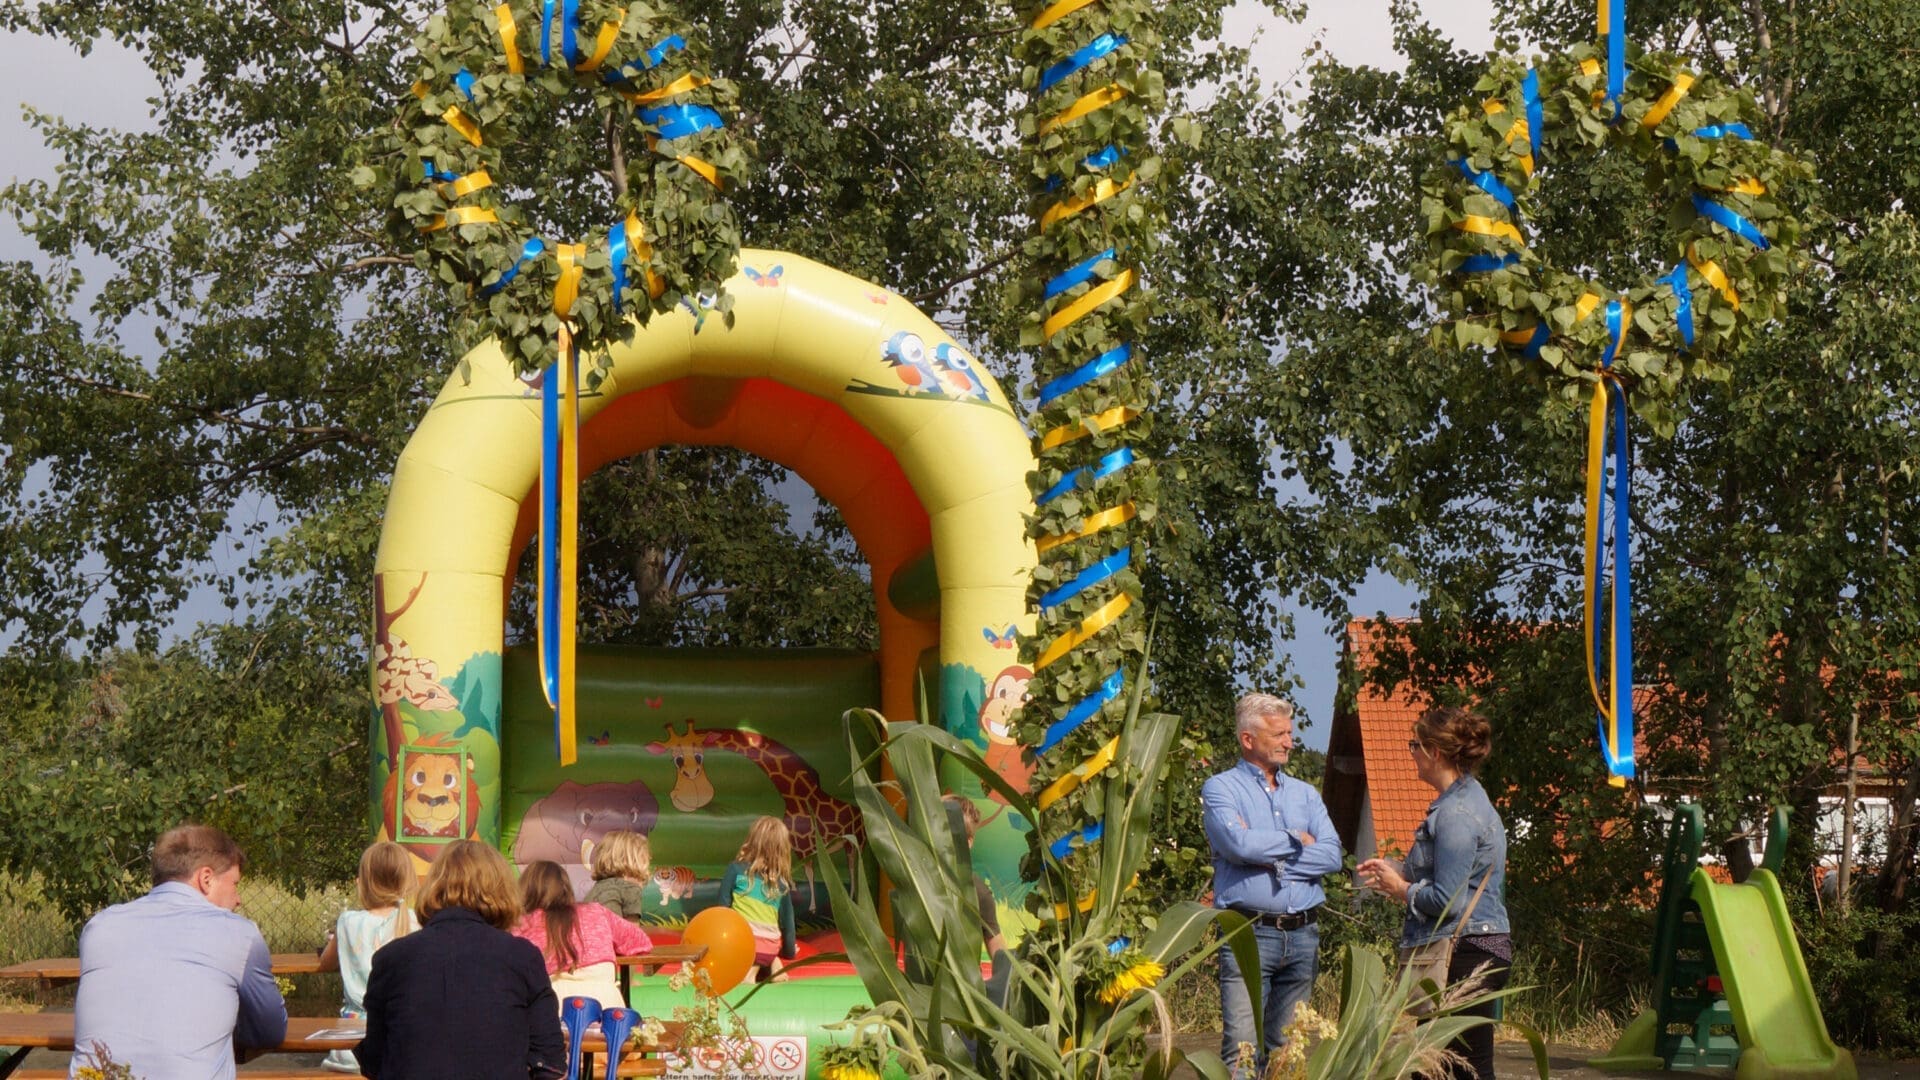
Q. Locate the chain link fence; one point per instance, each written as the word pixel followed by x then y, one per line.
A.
pixel 31 928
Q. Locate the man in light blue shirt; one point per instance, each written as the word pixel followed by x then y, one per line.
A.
pixel 172 982
pixel 1272 842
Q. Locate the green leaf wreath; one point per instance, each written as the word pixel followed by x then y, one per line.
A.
pixel 1733 219
pixel 490 78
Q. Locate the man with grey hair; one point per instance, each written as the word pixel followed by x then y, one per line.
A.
pixel 1272 842
pixel 172 983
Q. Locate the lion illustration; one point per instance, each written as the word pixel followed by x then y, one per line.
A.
pixel 433 793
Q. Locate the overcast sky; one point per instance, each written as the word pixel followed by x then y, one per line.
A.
pixel 109 88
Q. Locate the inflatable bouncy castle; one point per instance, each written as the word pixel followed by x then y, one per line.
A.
pixel 861 396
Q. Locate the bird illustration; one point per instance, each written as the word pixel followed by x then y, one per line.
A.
pixel 908 355
pixel 959 369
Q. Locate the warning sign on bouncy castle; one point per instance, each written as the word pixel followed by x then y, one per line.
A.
pixel 756 1058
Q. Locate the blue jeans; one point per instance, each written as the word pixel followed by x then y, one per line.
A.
pixel 1289 959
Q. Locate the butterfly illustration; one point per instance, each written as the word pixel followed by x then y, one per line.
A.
pixel 768 280
pixel 877 298
pixel 656 702
pixel 605 738
pixel 1002 640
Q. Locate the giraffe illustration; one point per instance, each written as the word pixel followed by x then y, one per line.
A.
pixel 813 816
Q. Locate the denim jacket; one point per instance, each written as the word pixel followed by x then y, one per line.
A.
pixel 1460 844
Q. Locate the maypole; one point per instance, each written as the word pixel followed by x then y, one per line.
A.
pixel 1088 167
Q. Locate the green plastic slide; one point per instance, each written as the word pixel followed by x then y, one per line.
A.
pixel 1782 1033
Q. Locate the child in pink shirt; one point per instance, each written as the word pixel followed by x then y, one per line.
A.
pixel 579 941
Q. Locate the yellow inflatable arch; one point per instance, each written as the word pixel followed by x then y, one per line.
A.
pixel 841 381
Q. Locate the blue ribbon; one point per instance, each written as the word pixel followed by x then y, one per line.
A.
pixel 569 23
pixel 1728 219
pixel 1616 52
pixel 1088 835
pixel 546 33
pixel 464 80
pixel 1531 350
pixel 1093 369
pixel 550 536
pixel 1067 279
pixel 1616 332
pixel 1486 264
pixel 680 121
pixel 528 252
pixel 1721 131
pixel 1536 113
pixel 652 58
pixel 1087 54
pixel 1486 182
pixel 1104 468
pixel 617 254
pixel 1088 578
pixel 1100 159
pixel 1683 301
pixel 1619 757
pixel 431 173
pixel 1082 711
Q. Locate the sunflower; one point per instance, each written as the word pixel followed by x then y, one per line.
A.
pixel 1140 975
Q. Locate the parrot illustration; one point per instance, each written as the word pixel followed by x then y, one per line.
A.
pixel 908 355
pixel 959 369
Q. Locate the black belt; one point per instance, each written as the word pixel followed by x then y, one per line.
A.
pixel 1282 921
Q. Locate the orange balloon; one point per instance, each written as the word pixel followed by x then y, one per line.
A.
pixel 729 942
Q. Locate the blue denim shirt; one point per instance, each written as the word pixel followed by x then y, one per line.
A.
pixel 170 983
pixel 1460 844
pixel 1258 863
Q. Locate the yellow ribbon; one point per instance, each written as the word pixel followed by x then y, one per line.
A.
pixel 1517 337
pixel 1105 519
pixel 1064 785
pixel 568 289
pixel 1596 473
pixel 461 215
pixel 1085 904
pixel 678 86
pixel 509 38
pixel 1056 11
pixel 1486 226
pixel 1494 107
pixel 459 122
pixel 704 168
pixel 1749 186
pixel 637 241
pixel 604 43
pixel 466 185
pixel 1715 276
pixel 1681 84
pixel 567 366
pixel 1591 68
pixel 1091 101
pixel 1093 298
pixel 1584 306
pixel 1094 623
pixel 1102 190
pixel 1105 421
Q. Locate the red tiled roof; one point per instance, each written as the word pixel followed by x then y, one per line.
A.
pixel 1396 793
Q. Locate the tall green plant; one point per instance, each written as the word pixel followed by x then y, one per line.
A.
pixel 1077 1000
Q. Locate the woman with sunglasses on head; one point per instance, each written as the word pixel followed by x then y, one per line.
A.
pixel 1453 882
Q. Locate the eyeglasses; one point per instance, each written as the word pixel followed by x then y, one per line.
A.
pixel 1414 745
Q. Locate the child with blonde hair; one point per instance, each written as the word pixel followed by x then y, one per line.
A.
pixel 578 941
pixel 384 889
pixel 759 885
pixel 622 861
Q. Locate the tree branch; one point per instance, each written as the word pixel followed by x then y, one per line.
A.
pixel 204 412
pixel 941 290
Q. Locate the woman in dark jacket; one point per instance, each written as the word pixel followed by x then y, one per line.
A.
pixel 1454 879
pixel 461 998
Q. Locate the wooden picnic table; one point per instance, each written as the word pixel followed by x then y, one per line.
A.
pixel 659 957
pixel 54 1031
pixel 59 970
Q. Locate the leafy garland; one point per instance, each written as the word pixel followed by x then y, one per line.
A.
pixel 1087 68
pixel 1733 221
pixel 490 76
